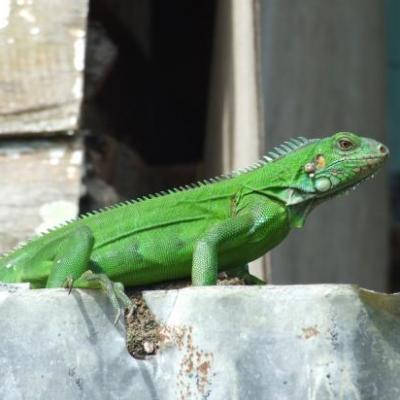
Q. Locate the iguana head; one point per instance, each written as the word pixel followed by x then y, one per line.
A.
pixel 341 162
pixel 332 166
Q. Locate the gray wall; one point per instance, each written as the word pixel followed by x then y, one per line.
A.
pixel 324 71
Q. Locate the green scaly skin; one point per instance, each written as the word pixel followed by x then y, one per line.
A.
pixel 217 225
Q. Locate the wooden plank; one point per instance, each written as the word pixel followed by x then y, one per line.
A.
pixel 40 186
pixel 324 71
pixel 235 119
pixel 42 47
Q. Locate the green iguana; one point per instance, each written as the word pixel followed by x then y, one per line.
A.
pixel 216 225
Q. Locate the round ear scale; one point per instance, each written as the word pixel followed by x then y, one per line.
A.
pixel 323 184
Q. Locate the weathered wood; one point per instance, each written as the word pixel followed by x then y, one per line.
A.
pixel 324 71
pixel 40 186
pixel 42 59
pixel 235 120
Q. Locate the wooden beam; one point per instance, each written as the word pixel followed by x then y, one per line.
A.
pixel 42 46
pixel 40 186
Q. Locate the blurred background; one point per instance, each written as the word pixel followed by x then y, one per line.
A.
pixel 105 100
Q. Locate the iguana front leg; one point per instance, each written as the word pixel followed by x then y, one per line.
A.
pixel 70 268
pixel 205 256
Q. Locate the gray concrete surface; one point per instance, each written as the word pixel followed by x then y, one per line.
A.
pixel 274 342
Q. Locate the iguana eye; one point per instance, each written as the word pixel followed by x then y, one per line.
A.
pixel 345 144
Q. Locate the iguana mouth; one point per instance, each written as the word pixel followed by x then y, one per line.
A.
pixel 372 158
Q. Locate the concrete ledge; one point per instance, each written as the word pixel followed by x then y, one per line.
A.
pixel 273 342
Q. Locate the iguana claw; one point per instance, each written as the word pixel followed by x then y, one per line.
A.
pixel 69 283
pixel 114 290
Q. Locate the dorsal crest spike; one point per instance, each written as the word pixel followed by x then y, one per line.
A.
pixel 286 148
pixel 297 142
pixel 280 151
pixel 273 154
pixel 291 145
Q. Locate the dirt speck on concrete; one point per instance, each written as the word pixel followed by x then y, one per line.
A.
pixel 144 333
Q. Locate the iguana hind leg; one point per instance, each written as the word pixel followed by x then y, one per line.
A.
pixel 114 290
pixel 71 257
pixel 71 268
